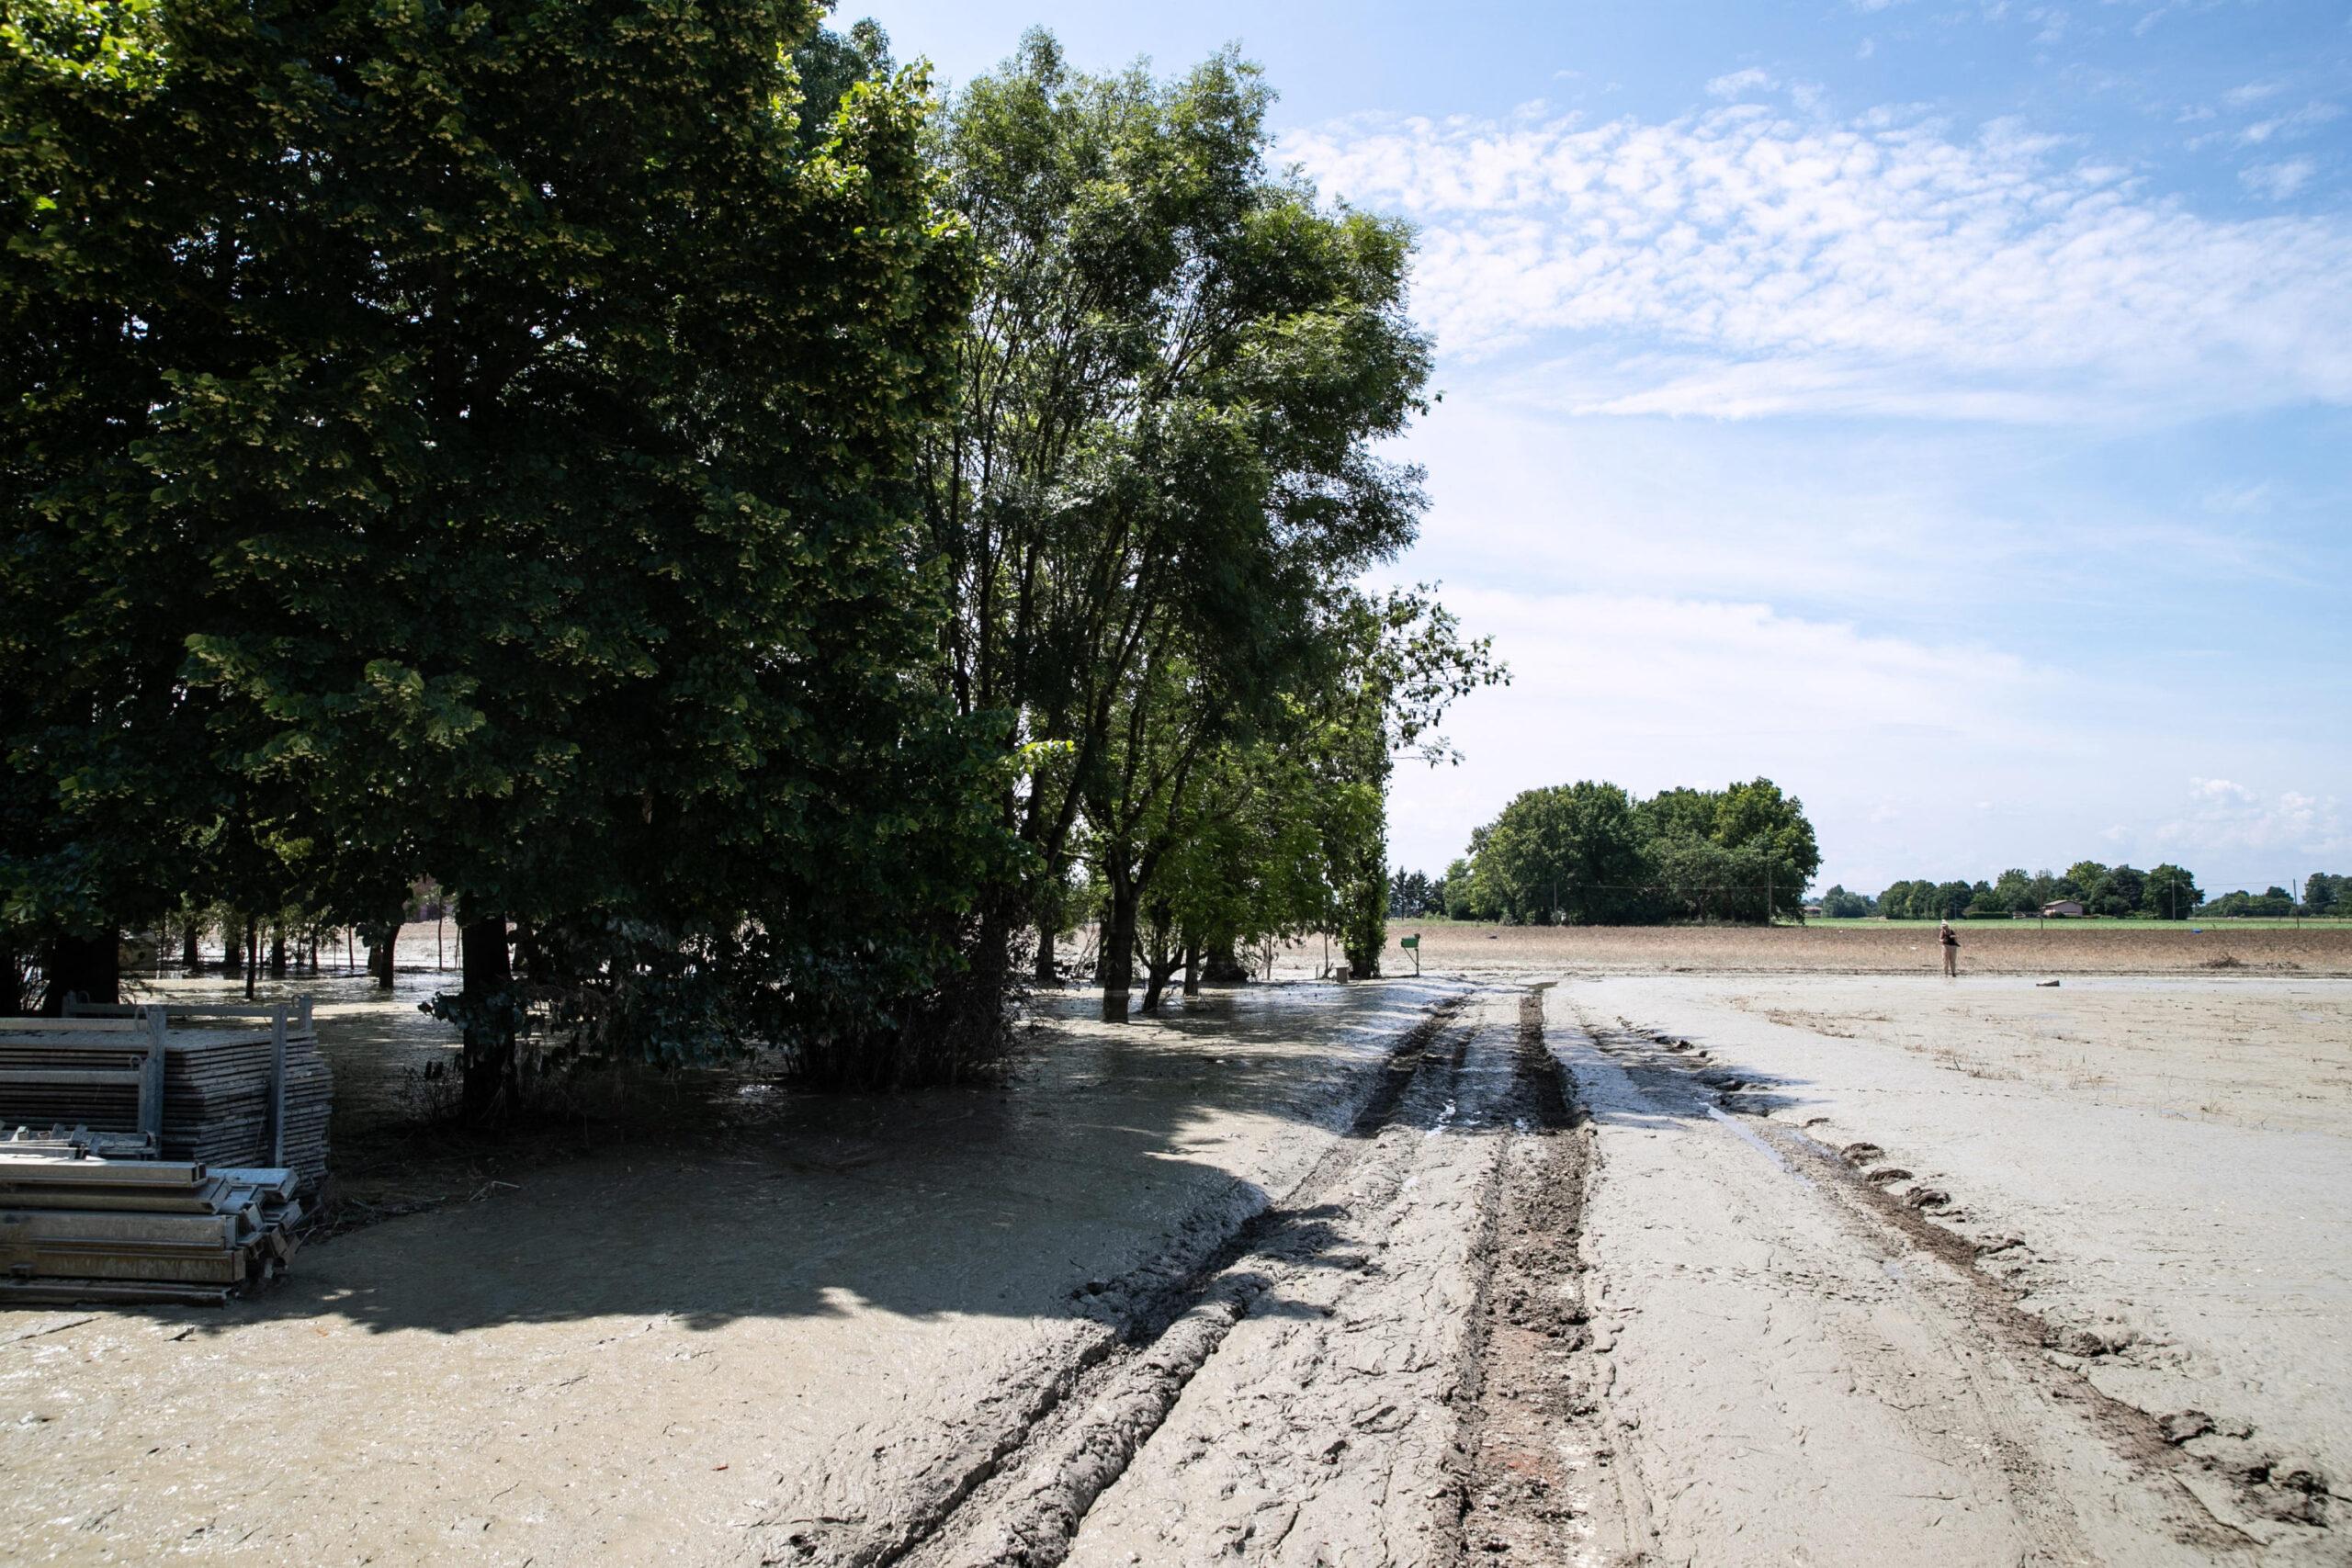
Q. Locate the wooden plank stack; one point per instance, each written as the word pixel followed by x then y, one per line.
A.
pixel 80 1223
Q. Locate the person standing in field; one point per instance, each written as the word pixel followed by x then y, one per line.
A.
pixel 1950 940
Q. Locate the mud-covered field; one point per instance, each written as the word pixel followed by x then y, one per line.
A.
pixel 1726 1255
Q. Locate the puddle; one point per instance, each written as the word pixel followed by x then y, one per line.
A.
pixel 1746 1136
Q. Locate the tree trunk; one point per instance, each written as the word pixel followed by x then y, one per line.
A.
pixel 992 949
pixel 1193 967
pixel 1117 964
pixel 252 953
pixel 493 1075
pixel 1157 967
pixel 384 949
pixel 1222 967
pixel 12 980
pixel 191 956
pixel 1048 971
pixel 232 947
pixel 87 967
pixel 277 952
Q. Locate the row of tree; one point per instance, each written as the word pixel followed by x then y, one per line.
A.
pixel 1592 854
pixel 2326 894
pixel 2169 892
pixel 768 543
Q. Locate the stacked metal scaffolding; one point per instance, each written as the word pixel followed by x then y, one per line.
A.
pixel 194 1133
pixel 77 1225
pixel 222 1085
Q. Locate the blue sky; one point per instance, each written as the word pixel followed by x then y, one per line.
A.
pixel 1944 409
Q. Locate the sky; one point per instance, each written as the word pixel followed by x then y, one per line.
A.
pixel 1944 409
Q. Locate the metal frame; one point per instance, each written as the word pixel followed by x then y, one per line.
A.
pixel 90 1023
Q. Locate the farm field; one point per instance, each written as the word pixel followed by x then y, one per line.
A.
pixel 2193 926
pixel 2015 947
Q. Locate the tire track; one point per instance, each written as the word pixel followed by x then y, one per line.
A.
pixel 1945 1354
pixel 1514 1492
pixel 1023 1505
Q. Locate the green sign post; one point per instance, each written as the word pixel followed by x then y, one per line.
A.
pixel 1412 945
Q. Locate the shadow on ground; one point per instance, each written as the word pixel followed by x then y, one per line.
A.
pixel 1104 1150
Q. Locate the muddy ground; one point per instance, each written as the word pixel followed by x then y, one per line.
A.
pixel 1542 1262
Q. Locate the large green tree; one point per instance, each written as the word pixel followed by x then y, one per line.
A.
pixel 1590 853
pixel 1162 461
pixel 2171 893
pixel 1572 854
pixel 495 424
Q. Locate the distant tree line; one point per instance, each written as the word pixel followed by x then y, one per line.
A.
pixel 2167 893
pixel 771 547
pixel 1592 854
pixel 2325 894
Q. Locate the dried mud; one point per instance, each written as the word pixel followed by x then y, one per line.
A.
pixel 1564 1265
pixel 1529 1437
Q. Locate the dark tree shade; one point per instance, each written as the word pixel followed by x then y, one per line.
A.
pixel 482 438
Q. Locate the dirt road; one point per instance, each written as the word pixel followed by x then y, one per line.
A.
pixel 1588 1292
pixel 1786 1370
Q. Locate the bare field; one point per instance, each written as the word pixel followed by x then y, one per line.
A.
pixel 2000 947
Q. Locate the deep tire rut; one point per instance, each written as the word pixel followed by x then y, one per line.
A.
pixel 1023 1505
pixel 1514 1496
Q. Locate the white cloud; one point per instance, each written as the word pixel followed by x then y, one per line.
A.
pixel 1738 83
pixel 1653 691
pixel 2251 93
pixel 1736 261
pixel 2239 501
pixel 2246 838
pixel 2288 126
pixel 2279 181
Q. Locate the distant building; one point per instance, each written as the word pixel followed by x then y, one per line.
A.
pixel 1813 911
pixel 2063 908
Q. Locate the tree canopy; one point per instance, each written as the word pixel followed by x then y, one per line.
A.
pixel 1159 480
pixel 754 537
pixel 1591 853
pixel 481 443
